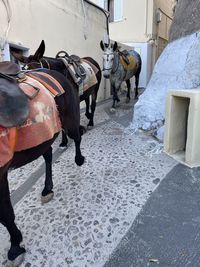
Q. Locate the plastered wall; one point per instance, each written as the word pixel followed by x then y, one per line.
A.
pixel 186 19
pixel 63 24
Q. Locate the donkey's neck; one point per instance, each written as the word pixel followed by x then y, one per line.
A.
pixel 115 62
pixel 55 64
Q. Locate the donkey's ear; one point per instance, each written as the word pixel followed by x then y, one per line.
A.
pixel 102 45
pixel 20 57
pixel 115 46
pixel 40 51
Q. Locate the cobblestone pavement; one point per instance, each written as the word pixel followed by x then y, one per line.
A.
pixel 94 205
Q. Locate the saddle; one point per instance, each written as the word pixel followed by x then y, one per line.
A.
pixel 128 61
pixel 14 108
pixel 11 71
pixel 9 68
pixel 73 64
pixel 124 54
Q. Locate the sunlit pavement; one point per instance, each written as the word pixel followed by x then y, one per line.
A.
pixel 95 206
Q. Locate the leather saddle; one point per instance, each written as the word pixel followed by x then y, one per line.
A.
pixel 75 62
pixel 79 69
pixel 14 109
pixel 9 68
pixel 124 54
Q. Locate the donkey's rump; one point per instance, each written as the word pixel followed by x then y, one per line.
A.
pixel 42 124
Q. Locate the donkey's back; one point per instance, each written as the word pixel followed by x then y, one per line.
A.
pixel 133 66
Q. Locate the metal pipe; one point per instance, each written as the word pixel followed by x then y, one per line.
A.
pixel 106 13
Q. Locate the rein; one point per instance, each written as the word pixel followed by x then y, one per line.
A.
pixel 111 68
pixel 106 69
pixel 48 64
pixel 41 65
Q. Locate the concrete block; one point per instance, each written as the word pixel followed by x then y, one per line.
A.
pixel 182 126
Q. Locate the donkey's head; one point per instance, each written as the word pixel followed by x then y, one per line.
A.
pixel 108 58
pixel 33 61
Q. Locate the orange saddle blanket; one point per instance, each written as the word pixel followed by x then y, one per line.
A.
pixel 42 124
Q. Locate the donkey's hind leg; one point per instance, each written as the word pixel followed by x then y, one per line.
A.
pixel 128 83
pixel 75 134
pixel 7 218
pixel 79 158
pixel 89 114
pixel 64 141
pixel 87 108
pixel 137 75
pixel 93 107
pixel 47 193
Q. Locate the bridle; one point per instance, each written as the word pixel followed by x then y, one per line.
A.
pixel 40 63
pixel 108 54
pixel 111 68
pixel 46 61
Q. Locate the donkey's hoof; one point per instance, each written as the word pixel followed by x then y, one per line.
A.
pixel 89 127
pixel 47 198
pixel 17 262
pixel 63 145
pixel 112 110
pixel 82 130
pixel 79 160
pixel 15 256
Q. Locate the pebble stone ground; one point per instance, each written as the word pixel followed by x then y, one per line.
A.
pixel 94 205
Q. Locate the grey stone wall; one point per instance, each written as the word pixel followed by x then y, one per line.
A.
pixel 186 19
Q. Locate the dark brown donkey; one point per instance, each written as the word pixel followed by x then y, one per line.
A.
pixel 38 61
pixel 14 109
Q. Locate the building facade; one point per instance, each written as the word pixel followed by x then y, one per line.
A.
pixel 74 26
pixel 143 25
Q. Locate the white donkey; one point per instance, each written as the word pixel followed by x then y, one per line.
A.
pixel 120 66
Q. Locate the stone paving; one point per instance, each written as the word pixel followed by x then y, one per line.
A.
pixel 95 204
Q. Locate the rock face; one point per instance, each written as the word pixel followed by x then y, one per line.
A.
pixel 186 19
pixel 177 68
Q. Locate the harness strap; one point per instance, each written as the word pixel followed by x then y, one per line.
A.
pixel 71 67
pixel 64 60
pixel 48 64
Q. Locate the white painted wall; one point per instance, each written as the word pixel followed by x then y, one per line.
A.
pixel 138 28
pixel 63 24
